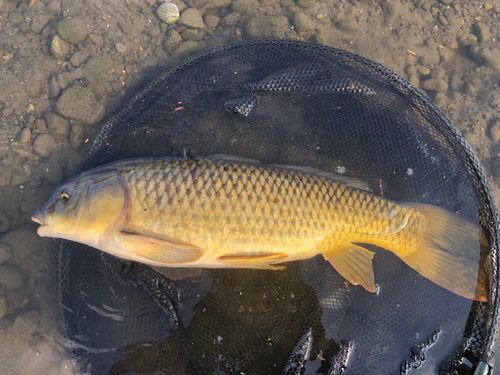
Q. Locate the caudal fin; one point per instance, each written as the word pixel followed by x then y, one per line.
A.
pixel 448 253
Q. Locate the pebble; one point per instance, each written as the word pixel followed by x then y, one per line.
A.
pixel 303 25
pixel 54 89
pixel 187 49
pixel 239 6
pixel 306 3
pixel 231 19
pixel 98 70
pixel 120 47
pixel 191 18
pixel 348 23
pixel 172 41
pixel 438 72
pixel 434 84
pixel 5 222
pixel 456 82
pixel 5 252
pixel 260 26
pixel 481 31
pixel 212 21
pixel 490 57
pixel 39 21
pixel 98 40
pixel 43 145
pixel 76 136
pixel 153 31
pixel 168 13
pixel 79 57
pixel 80 104
pixel 11 278
pixel 72 30
pixel 58 48
pixel 25 136
pixel 3 307
pixel 467 40
pixel 194 35
pixel 423 70
pixel 494 131
pixel 57 126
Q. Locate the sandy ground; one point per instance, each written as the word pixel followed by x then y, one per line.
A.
pixel 64 63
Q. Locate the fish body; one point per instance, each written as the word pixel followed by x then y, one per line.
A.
pixel 225 211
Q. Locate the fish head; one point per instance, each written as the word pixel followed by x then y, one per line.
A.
pixel 84 208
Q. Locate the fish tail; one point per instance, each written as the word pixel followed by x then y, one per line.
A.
pixel 446 249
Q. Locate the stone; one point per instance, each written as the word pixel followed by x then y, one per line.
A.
pixel 481 31
pixel 208 4
pixel 3 307
pixel 98 70
pixel 36 75
pixel 76 136
pixel 231 19
pixel 306 3
pixel 39 21
pixel 57 126
pixel 59 49
pixel 25 136
pixel 187 49
pixel 438 72
pixel 239 6
pixel 54 7
pixel 5 219
pixel 423 70
pixel 348 23
pixel 5 252
pixel 260 26
pixel 212 21
pixel 172 41
pixel 191 18
pixel 303 25
pixel 120 47
pixel 11 278
pixel 43 145
pixel 390 9
pixel 467 40
pixel 153 31
pixel 456 82
pixel 15 17
pixel 494 131
pixel 72 30
pixel 22 149
pixel 80 104
pixel 192 34
pixel 434 84
pixel 490 57
pixel 168 13
pixel 54 89
pixel 79 58
pixel 98 40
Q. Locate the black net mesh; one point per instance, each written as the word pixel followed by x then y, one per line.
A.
pixel 295 103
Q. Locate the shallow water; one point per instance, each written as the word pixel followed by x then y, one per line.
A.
pixel 450 49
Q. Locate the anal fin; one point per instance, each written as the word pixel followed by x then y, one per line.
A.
pixel 257 261
pixel 354 263
pixel 159 250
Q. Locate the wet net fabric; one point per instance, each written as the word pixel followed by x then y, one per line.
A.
pixel 294 103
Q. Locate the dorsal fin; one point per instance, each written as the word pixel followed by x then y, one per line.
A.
pixel 233 158
pixel 340 178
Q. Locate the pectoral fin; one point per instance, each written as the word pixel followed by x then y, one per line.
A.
pixel 159 250
pixel 260 261
pixel 354 263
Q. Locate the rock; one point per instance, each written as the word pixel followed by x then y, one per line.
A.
pixel 191 18
pixel 303 25
pixel 153 31
pixel 187 49
pixel 72 30
pixel 76 136
pixel 39 21
pixel 57 125
pixel 467 40
pixel 440 99
pixel 456 82
pixel 194 35
pixel 391 9
pixel 414 80
pixel 3 307
pixel 168 13
pixel 79 58
pixel 5 221
pixel 54 89
pixel 494 131
pixel 97 40
pixel 43 145
pixel 423 70
pixel 59 49
pixel 306 3
pixel 208 4
pixel 172 41
pixel 11 278
pixel 490 57
pixel 15 17
pixel 446 54
pixel 41 125
pixel 442 20
pixel 22 149
pixel 98 70
pixel 212 21
pixel 481 31
pixel 120 47
pixel 260 27
pixel 231 19
pixel 79 103
pixel 239 6
pixel 438 72
pixel 36 75
pixel 148 61
pixel 54 7
pixel 433 84
pixel 5 252
pixel 25 136
pixel 348 23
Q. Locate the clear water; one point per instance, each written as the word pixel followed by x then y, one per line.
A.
pixel 112 46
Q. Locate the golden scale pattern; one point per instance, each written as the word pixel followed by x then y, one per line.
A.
pixel 228 207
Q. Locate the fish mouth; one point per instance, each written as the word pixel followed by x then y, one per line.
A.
pixel 38 220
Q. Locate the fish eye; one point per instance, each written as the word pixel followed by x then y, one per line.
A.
pixel 65 195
